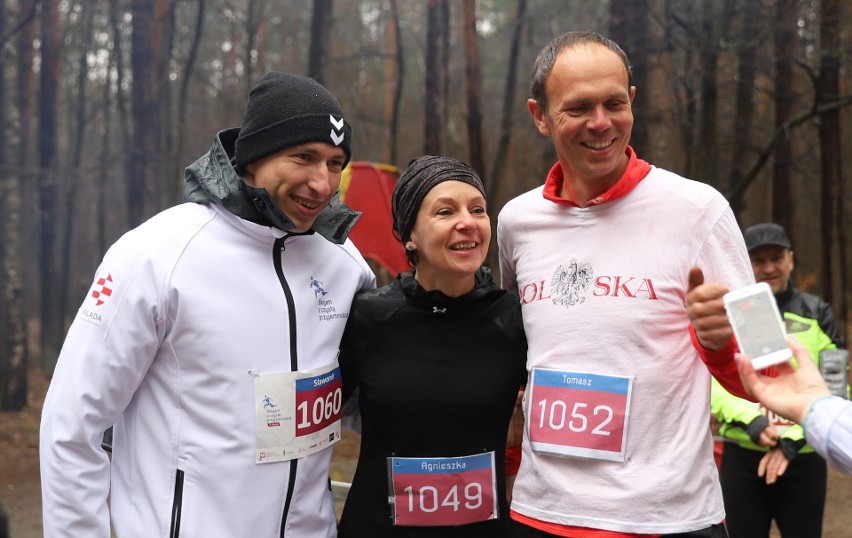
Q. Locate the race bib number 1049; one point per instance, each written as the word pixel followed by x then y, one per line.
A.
pixel 579 414
pixel 443 491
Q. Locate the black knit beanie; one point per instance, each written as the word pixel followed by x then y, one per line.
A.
pixel 419 178
pixel 285 110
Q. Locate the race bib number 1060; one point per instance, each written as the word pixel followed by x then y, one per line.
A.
pixel 297 413
pixel 579 414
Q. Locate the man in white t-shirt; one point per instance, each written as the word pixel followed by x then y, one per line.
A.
pixel 604 256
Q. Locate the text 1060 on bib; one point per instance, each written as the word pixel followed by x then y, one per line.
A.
pixel 297 413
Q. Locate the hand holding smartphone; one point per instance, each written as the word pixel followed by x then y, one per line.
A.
pixel 757 325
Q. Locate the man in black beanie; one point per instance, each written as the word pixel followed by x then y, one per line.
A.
pixel 209 339
pixel 285 115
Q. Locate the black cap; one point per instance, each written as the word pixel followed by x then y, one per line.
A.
pixel 764 234
pixel 286 110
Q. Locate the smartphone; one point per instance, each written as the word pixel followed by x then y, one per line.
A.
pixel 757 325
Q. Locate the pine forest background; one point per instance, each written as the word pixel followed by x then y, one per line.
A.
pixel 103 103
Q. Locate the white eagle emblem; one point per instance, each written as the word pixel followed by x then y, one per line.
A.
pixel 569 285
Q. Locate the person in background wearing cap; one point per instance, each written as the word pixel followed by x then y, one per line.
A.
pixel 437 357
pixel 603 258
pixel 210 332
pixel 768 471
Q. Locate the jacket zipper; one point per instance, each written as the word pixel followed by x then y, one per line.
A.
pixel 277 252
pixel 174 530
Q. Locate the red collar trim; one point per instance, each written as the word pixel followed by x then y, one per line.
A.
pixel 636 171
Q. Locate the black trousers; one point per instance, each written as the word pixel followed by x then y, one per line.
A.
pixel 516 530
pixel 796 501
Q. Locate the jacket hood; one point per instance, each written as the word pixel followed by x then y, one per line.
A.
pixel 212 179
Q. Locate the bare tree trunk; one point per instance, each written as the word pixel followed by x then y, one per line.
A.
pixel 498 170
pixel 744 108
pixel 786 19
pixel 831 155
pixel 28 190
pixel 664 145
pixel 707 154
pixel 251 24
pixel 182 97
pixel 320 39
pixel 4 143
pixel 48 140
pixel 26 85
pixel 13 350
pixel 164 23
pixel 689 106
pixel 4 56
pixel 437 76
pixel 394 70
pixel 78 138
pixel 150 50
pixel 124 120
pixel 260 45
pixel 473 77
pixel 494 187
pixel 106 161
pixel 629 28
pixel 168 187
pixel 14 360
pixel 143 106
pixel 254 15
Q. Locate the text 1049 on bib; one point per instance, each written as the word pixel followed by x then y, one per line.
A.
pixel 443 491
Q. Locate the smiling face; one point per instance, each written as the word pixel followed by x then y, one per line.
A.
pixel 451 235
pixel 589 114
pixel 772 264
pixel 301 179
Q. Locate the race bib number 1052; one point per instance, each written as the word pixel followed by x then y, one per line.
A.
pixel 579 414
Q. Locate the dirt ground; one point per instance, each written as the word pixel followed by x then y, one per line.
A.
pixel 20 494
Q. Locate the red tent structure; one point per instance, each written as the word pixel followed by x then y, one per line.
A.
pixel 367 186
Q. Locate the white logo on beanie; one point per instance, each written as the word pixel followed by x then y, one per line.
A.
pixel 337 133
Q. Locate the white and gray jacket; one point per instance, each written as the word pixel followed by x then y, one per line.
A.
pixel 183 310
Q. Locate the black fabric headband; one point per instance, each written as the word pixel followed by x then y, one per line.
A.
pixel 419 178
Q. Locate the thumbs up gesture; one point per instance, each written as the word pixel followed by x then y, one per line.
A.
pixel 706 311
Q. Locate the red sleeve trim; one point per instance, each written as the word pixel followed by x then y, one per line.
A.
pixel 513 459
pixel 574 532
pixel 721 364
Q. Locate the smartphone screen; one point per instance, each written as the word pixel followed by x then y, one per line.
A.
pixel 757 325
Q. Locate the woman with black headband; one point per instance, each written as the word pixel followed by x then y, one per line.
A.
pixel 437 357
